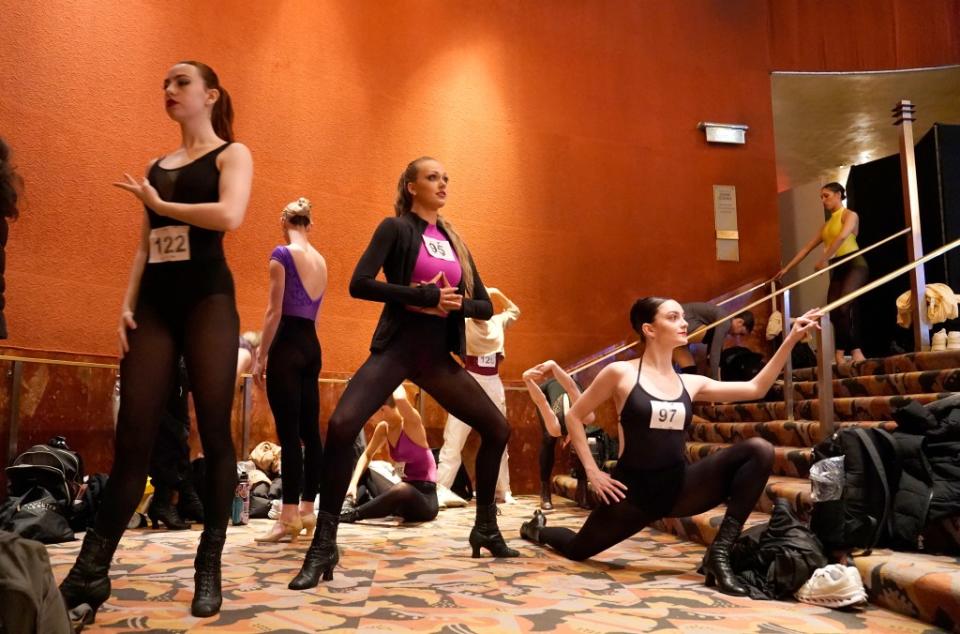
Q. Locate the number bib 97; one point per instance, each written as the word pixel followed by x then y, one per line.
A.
pixel 439 249
pixel 170 244
pixel 667 415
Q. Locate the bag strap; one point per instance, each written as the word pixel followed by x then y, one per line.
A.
pixel 871 448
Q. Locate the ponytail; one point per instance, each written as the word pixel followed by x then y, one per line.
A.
pixel 222 115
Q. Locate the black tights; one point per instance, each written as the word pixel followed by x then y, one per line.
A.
pixel 418 353
pixel 206 334
pixel 736 475
pixel 845 279
pixel 413 501
pixel 548 446
pixel 293 367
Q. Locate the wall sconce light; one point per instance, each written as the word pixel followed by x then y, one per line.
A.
pixel 724 132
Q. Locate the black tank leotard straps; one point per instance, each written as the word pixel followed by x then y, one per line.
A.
pixel 654 428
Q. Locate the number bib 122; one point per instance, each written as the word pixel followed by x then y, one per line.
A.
pixel 439 249
pixel 667 415
pixel 170 244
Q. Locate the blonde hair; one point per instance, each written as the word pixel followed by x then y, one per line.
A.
pixel 404 203
pixel 298 212
pixel 253 337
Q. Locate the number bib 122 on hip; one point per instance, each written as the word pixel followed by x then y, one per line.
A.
pixel 170 244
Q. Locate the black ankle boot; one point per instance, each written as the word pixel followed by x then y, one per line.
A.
pixel 716 565
pixel 189 507
pixel 530 530
pixel 486 534
pixel 322 556
pixel 206 578
pixel 162 511
pixel 546 502
pixel 348 516
pixel 88 581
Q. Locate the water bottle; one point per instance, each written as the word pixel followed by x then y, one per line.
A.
pixel 241 500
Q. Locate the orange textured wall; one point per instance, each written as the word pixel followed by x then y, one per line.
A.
pixel 827 35
pixel 579 178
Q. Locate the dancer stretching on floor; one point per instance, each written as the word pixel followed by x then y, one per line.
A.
pixel 651 479
pixel 180 300
pixel 414 499
pixel 431 286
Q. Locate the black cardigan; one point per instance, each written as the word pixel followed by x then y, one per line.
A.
pixel 394 248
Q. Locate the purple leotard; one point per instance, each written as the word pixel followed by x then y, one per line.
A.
pixel 428 265
pixel 296 300
pixel 419 464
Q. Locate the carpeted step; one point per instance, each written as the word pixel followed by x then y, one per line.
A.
pixel 926 587
pixel 795 490
pixel 851 408
pixel 703 528
pixel 903 383
pixel 799 433
pixel 787 461
pixel 910 362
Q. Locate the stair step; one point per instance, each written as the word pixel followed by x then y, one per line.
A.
pixel 798 433
pixel 787 461
pixel 703 528
pixel 947 380
pixel 925 587
pixel 850 408
pixel 910 362
pixel 795 490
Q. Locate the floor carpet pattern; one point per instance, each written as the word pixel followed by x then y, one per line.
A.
pixel 421 578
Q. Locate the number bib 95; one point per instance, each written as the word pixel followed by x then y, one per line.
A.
pixel 439 249
pixel 667 415
pixel 170 244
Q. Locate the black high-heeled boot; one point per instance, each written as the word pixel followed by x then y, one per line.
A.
pixel 530 530
pixel 162 511
pixel 207 598
pixel 189 507
pixel 322 556
pixel 89 580
pixel 546 502
pixel 486 534
pixel 717 566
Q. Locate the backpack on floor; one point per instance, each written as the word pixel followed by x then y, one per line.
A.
pixel 863 515
pixel 53 467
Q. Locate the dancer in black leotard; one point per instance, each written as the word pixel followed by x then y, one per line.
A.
pixel 431 286
pixel 180 300
pixel 651 479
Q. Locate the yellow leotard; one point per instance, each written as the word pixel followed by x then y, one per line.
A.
pixel 831 229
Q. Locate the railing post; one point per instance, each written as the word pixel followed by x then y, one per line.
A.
pixel 825 376
pixel 788 395
pixel 16 374
pixel 246 412
pixel 903 114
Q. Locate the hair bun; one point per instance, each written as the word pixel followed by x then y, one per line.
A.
pixel 300 207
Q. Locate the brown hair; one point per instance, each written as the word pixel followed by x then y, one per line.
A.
pixel 10 184
pixel 222 115
pixel 404 203
pixel 297 213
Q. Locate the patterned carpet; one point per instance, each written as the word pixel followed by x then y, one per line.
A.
pixel 422 579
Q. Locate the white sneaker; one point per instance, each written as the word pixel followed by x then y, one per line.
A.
pixel 938 343
pixel 833 586
pixel 274 511
pixel 953 340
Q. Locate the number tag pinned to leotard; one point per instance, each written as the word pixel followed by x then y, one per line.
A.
pixel 170 244
pixel 439 249
pixel 487 360
pixel 667 415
